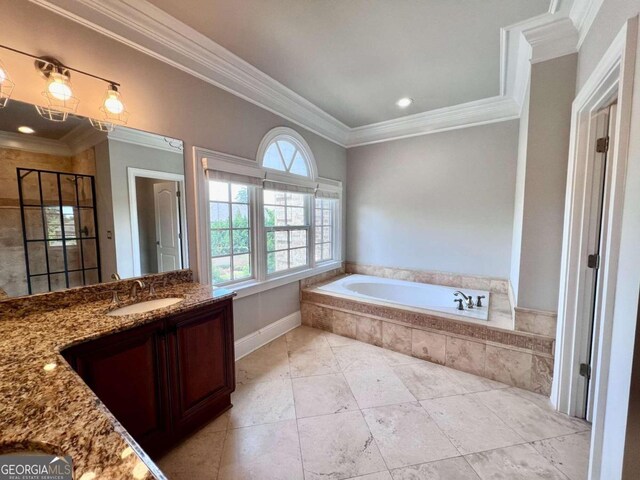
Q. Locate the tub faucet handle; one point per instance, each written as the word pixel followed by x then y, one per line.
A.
pixel 459 300
pixel 479 302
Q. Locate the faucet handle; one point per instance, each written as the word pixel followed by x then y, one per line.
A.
pixel 479 302
pixel 459 300
pixel 115 300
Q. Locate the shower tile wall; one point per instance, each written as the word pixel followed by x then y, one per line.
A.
pixel 13 280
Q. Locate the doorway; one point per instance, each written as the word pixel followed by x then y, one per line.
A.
pixel 157 221
pixel 603 133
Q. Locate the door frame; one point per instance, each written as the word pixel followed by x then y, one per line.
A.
pixel 613 78
pixel 132 174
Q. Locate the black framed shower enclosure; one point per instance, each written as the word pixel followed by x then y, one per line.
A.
pixel 59 229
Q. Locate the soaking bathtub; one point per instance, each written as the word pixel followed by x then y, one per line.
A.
pixel 413 295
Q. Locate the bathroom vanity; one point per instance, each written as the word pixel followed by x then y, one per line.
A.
pixel 128 388
pixel 166 378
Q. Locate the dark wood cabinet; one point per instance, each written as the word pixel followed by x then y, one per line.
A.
pixel 128 372
pixel 201 360
pixel 164 379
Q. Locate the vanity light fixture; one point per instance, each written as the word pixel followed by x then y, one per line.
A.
pixel 25 129
pixel 404 102
pixel 6 86
pixel 59 98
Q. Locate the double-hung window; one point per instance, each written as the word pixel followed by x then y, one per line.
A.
pixel 287 226
pixel 272 218
pixel 230 227
pixel 325 229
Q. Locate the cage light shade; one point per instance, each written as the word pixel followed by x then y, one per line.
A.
pixel 51 114
pixel 101 125
pixel 6 86
pixel 112 108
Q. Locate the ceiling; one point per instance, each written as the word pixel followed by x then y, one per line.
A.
pixel 355 58
pixel 17 114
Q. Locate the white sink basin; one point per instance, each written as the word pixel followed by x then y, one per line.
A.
pixel 143 307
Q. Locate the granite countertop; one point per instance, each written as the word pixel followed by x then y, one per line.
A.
pixel 45 406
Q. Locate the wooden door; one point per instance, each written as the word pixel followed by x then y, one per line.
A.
pixel 166 196
pixel 127 371
pixel 201 364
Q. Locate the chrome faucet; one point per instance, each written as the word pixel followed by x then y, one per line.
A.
pixel 468 299
pixel 137 284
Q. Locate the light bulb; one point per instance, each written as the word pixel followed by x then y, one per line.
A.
pixel 59 86
pixel 3 75
pixel 112 102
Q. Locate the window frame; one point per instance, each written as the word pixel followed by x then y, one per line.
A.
pixel 252 236
pixel 336 227
pixel 261 281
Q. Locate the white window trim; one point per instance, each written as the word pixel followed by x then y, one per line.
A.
pixel 205 159
pixel 288 134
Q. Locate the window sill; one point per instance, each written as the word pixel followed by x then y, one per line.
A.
pixel 246 289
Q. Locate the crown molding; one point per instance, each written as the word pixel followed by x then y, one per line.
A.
pixel 18 141
pixel 553 39
pixel 583 13
pixel 148 29
pixel 83 137
pixel 144 139
pixel 480 112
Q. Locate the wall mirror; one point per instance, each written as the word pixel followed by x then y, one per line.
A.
pixel 80 206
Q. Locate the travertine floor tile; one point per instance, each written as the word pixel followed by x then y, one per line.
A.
pixel 267 452
pixel 359 357
pixel 473 383
pixel 197 457
pixel 374 388
pixel 312 361
pixel 470 425
pixel 529 420
pixel 322 395
pixel 569 454
pixel 450 469
pixel 303 338
pixel 427 380
pixel 406 435
pixel 269 362
pixel 338 446
pixel 264 402
pixel 519 462
pixel 385 475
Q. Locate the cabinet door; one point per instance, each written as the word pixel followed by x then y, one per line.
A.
pixel 201 362
pixel 127 371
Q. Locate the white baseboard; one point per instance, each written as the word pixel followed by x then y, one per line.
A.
pixel 255 340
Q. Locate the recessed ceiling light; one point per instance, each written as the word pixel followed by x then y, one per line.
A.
pixel 404 102
pixel 25 129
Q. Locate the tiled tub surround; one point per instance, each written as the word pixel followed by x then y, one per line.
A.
pixel 51 408
pixel 491 349
pixel 436 298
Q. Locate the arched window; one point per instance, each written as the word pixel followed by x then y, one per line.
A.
pixel 284 150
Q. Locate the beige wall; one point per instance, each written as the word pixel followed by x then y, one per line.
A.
pixel 161 99
pixel 541 184
pixel 611 16
pixel 436 202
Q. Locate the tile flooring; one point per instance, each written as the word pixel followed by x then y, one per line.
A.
pixel 314 405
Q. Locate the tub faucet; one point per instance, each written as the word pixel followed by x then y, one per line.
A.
pixel 459 300
pixel 134 288
pixel 468 299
